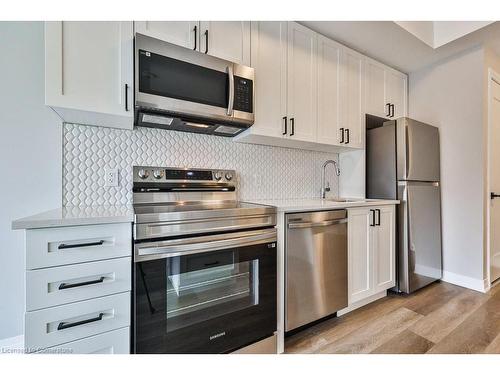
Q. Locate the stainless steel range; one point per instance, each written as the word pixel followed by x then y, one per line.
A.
pixel 204 264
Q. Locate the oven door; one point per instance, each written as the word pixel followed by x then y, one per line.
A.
pixel 210 294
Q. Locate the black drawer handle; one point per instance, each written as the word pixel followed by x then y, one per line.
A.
pixel 388 105
pixel 76 285
pixel 212 263
pixel 206 39
pixel 378 217
pixel 64 246
pixel 342 135
pixel 126 97
pixel 372 221
pixel 348 136
pixel 292 124
pixel 195 29
pixel 64 325
pixel 286 127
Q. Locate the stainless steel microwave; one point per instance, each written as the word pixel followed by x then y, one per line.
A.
pixel 177 88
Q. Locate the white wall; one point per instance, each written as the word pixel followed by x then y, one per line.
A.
pixel 449 95
pixel 30 157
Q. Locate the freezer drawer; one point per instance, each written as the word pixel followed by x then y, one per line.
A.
pixel 316 266
pixel 419 235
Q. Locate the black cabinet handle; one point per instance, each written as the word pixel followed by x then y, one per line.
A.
pixel 195 29
pixel 372 221
pixel 292 124
pixel 388 105
pixel 212 263
pixel 76 285
pixel 64 246
pixel 392 106
pixel 348 138
pixel 378 217
pixel 126 97
pixel 341 135
pixel 64 325
pixel 206 39
pixel 493 195
pixel 286 126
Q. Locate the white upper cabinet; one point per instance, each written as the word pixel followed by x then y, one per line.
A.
pixel 329 74
pixel 376 103
pixel 89 72
pixel 182 33
pixel 352 88
pixel 228 40
pixel 386 91
pixel 302 83
pixel 396 88
pixel 269 54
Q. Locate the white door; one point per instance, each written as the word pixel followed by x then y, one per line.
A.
pixel 375 96
pixel 384 249
pixel 360 255
pixel 269 54
pixel 396 92
pixel 494 119
pixel 329 53
pixel 302 82
pixel 182 33
pixel 88 71
pixel 353 117
pixel 228 40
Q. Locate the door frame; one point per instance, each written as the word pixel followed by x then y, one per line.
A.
pixel 493 76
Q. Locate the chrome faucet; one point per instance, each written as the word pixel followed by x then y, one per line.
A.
pixel 326 188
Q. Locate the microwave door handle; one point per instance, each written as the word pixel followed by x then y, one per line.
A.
pixel 231 91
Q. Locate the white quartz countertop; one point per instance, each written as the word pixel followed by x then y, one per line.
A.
pixel 318 204
pixel 68 216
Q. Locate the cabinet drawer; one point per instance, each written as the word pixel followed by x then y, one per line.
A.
pixel 66 284
pixel 62 324
pixel 68 245
pixel 114 342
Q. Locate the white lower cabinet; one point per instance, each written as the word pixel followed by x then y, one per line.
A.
pixel 371 249
pixel 113 342
pixel 78 282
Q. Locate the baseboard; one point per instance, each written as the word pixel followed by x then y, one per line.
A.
pixel 363 302
pixel 12 345
pixel 466 281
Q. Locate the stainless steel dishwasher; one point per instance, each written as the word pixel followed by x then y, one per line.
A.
pixel 316 266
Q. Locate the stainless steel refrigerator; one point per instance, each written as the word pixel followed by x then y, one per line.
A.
pixel 402 162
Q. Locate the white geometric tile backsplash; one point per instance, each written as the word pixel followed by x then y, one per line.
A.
pixel 264 172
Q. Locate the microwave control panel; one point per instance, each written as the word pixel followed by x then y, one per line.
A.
pixel 243 94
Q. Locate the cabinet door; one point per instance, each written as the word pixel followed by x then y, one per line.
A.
pixel 396 91
pixel 360 257
pixel 375 96
pixel 182 33
pixel 384 249
pixel 269 47
pixel 88 72
pixel 302 82
pixel 229 40
pixel 353 117
pixel 329 53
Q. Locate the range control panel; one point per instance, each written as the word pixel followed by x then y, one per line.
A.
pixel 169 174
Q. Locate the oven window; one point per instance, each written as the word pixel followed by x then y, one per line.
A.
pixel 171 78
pixel 216 287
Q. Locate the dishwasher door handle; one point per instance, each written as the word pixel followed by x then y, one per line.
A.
pixel 313 224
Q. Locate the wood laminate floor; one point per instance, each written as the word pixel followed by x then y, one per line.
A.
pixel 441 318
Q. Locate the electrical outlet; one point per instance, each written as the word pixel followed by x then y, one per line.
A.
pixel 111 175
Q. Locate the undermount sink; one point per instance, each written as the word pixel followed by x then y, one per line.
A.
pixel 344 200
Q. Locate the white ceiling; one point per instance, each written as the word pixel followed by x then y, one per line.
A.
pixel 389 43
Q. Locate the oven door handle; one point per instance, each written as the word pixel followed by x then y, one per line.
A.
pixel 197 245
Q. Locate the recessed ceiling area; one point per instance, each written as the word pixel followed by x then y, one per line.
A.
pixel 400 47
